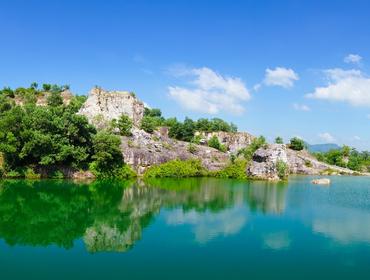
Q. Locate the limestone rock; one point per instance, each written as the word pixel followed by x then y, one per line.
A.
pixel 142 150
pixel 264 162
pixel 322 181
pixel 103 106
pixel 234 141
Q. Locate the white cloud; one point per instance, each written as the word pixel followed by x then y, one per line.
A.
pixel 353 58
pixel 277 240
pixel 368 116
pixel 357 138
pixel 326 137
pixel 280 76
pixel 209 92
pixel 207 226
pixel 301 107
pixel 350 86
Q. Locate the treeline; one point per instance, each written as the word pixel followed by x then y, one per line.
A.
pixel 347 157
pixel 53 135
pixel 185 130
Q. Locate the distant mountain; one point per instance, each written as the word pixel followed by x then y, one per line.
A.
pixel 322 148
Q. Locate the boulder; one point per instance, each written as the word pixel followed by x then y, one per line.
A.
pixel 321 181
pixel 264 162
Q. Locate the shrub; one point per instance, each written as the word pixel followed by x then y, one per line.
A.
pixel 124 125
pixel 148 124
pixel 56 174
pixel 297 144
pixel 2 173
pixel 279 140
pixel 14 174
pixel 107 154
pixel 254 146
pixel 308 163
pixel 235 170
pixel 215 143
pixel 176 169
pixel 282 169
pixel 31 174
pixel 192 148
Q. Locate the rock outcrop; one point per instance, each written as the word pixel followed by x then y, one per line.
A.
pixel 103 106
pixel 142 150
pixel 263 165
pixel 264 162
pixel 233 141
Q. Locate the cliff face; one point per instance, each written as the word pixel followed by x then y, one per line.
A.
pixel 234 141
pixel 103 106
pixel 264 163
pixel 142 150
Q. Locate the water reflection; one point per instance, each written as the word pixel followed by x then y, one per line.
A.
pixel 111 216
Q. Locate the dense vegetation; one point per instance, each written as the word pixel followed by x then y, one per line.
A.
pixel 52 135
pixel 347 157
pixel 183 130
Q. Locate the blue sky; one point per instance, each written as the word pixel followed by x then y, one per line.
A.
pixel 288 68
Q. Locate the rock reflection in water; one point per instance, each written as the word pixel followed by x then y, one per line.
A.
pixel 111 216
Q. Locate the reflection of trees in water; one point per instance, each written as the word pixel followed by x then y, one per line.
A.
pixel 267 197
pixel 110 216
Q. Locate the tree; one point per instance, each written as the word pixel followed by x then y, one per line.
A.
pixel 107 154
pixel 46 87
pixel 34 85
pixel 254 146
pixel 124 124
pixel 279 140
pixel 215 143
pixel 55 99
pixel 296 144
pixel 148 124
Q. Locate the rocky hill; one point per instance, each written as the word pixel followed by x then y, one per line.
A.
pixel 142 150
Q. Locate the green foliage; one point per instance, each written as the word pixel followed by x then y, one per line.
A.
pixel 55 99
pixel 148 124
pixel 124 124
pixel 254 146
pixel 46 87
pixel 31 174
pixel 44 135
pixel 13 174
pixel 236 170
pixel 107 154
pixel 282 169
pixel 308 163
pixel 176 169
pixel 279 140
pixel 56 174
pixel 297 144
pixel 192 148
pixel 215 143
pixel 346 157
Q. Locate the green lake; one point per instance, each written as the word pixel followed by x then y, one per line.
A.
pixel 185 229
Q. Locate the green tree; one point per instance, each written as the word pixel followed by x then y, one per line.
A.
pixel 124 124
pixel 297 144
pixel 55 99
pixel 107 153
pixel 279 140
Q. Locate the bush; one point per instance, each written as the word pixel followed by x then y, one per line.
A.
pixel 297 144
pixel 235 170
pixel 176 169
pixel 192 148
pixel 215 143
pixel 14 174
pixel 148 124
pixel 31 174
pixel 107 153
pixel 279 140
pixel 254 146
pixel 124 124
pixel 56 174
pixel 2 173
pixel 282 169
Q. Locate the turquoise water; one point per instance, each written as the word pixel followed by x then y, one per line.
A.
pixel 185 229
